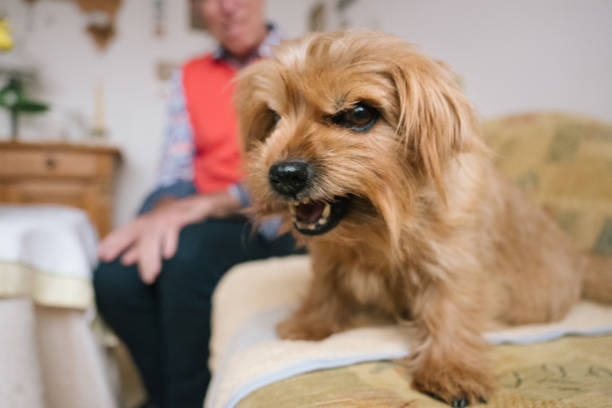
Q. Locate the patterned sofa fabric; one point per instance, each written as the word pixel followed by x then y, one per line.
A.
pixel 564 162
pixel 569 372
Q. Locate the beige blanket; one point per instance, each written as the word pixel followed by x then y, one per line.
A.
pixel 246 355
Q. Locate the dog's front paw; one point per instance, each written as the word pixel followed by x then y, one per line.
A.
pixel 295 328
pixel 458 387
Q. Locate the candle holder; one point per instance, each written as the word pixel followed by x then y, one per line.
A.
pixel 98 133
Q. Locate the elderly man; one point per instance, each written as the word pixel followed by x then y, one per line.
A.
pixel 154 284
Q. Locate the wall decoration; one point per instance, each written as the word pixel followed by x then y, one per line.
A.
pixel 110 7
pixel 330 15
pixel 165 68
pixel 101 33
pixel 195 20
pixel 317 17
pixel 100 16
pixel 160 17
pixel 342 6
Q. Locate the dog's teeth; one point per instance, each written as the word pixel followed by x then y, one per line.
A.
pixel 312 227
pixel 326 210
pixel 292 209
pixel 322 221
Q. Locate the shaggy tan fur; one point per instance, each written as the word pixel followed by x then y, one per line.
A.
pixel 433 234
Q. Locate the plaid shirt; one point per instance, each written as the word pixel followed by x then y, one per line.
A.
pixel 175 174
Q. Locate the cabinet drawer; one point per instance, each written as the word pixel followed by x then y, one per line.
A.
pixel 47 163
pixel 55 192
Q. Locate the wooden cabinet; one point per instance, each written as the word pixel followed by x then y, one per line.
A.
pixel 78 175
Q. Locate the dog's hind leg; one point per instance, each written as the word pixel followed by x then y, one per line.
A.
pixel 597 278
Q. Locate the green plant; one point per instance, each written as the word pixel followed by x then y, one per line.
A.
pixel 13 98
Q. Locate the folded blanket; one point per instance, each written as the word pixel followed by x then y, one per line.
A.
pixel 246 354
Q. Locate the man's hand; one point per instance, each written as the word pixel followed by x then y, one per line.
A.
pixel 154 236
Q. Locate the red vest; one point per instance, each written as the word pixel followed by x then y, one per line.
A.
pixel 208 95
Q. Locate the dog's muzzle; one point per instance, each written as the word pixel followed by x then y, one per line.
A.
pixel 311 216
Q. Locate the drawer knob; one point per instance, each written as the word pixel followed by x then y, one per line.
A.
pixel 50 163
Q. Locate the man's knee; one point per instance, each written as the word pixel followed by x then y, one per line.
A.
pixel 205 251
pixel 204 244
pixel 113 283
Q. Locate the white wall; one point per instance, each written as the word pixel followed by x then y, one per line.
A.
pixel 513 56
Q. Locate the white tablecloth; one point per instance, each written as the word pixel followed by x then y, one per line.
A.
pixel 48 353
pixel 47 253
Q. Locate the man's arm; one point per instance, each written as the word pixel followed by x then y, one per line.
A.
pixel 178 149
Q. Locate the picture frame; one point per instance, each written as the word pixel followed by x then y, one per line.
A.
pixel 195 20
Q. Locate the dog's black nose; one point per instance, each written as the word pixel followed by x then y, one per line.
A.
pixel 290 177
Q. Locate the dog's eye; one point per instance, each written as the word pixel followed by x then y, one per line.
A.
pixel 275 117
pixel 360 117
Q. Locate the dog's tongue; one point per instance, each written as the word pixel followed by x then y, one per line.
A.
pixel 311 212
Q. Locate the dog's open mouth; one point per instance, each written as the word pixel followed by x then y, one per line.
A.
pixel 315 217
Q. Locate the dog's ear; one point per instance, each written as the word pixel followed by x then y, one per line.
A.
pixel 435 120
pixel 255 119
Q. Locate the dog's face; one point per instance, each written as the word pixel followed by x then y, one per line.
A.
pixel 347 129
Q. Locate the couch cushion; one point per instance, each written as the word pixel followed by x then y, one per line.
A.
pixel 564 162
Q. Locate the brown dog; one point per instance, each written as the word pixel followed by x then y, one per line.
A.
pixel 372 152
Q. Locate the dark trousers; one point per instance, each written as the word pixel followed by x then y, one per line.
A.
pixel 166 325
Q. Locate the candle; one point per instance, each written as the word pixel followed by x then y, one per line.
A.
pixel 99 107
